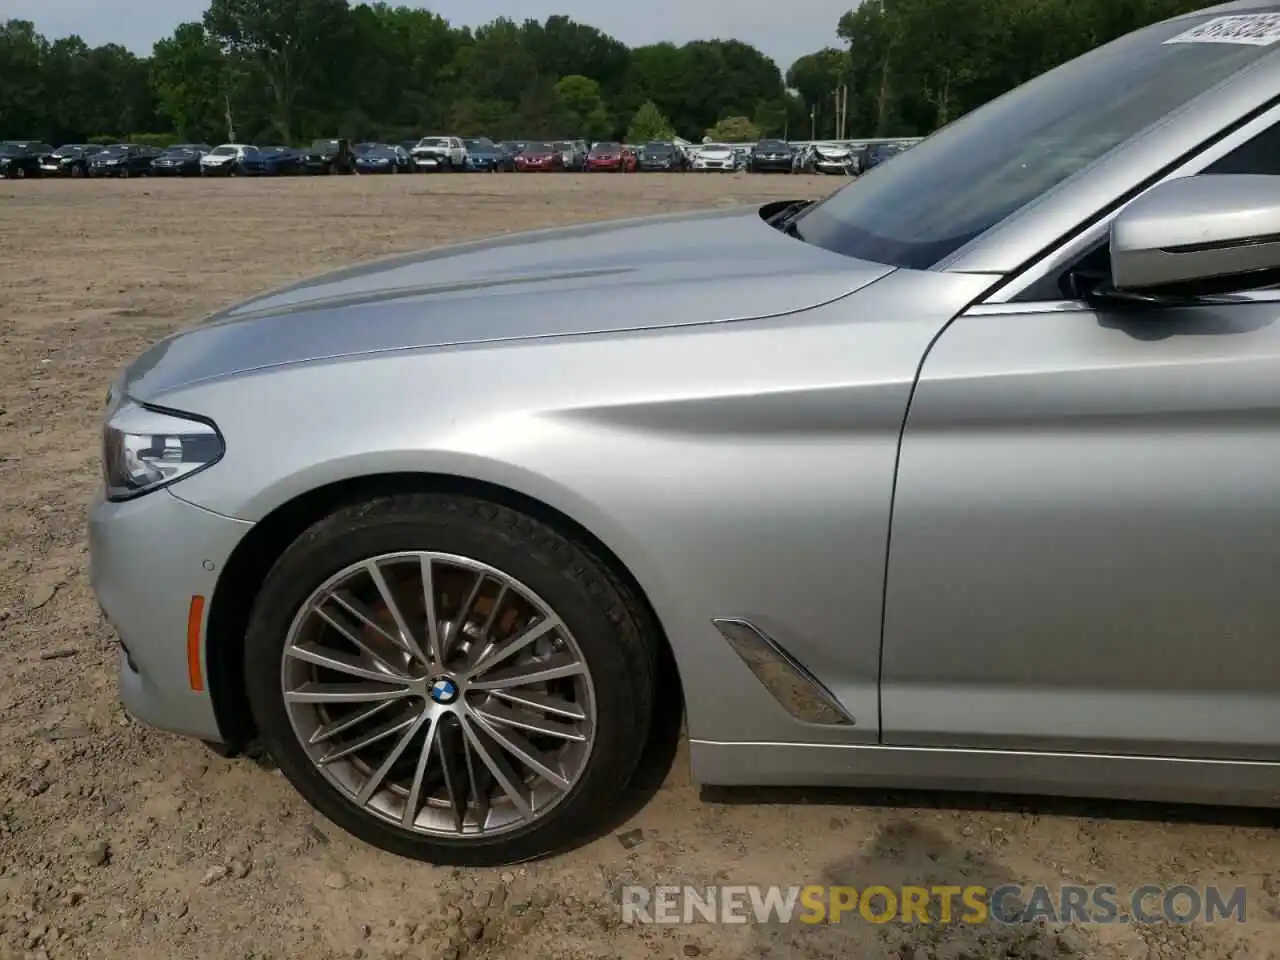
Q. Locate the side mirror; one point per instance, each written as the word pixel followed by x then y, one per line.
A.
pixel 1219 231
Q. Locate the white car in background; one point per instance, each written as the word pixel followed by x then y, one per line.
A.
pixel 222 160
pixel 716 156
pixel 440 153
pixel 837 158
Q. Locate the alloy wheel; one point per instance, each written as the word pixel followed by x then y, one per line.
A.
pixel 439 694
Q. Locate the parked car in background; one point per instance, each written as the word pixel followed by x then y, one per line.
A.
pixel 513 148
pixel 224 159
pixel 658 156
pixel 18 162
pixel 718 157
pixel 611 157
pixel 276 160
pixel 772 156
pixel 331 155
pixel 830 158
pixel 383 158
pixel 123 160
pixel 440 153
pixel 69 160
pixel 485 156
pixel 540 158
pixel 872 155
pixel 573 154
pixel 40 148
pixel 180 160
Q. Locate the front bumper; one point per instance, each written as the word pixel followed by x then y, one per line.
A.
pixel 147 558
pixel 430 161
pixel 761 165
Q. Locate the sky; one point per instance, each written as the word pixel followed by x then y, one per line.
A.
pixel 783 30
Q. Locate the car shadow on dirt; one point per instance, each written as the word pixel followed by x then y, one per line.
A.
pixel 905 854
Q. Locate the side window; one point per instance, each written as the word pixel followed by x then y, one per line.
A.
pixel 1260 155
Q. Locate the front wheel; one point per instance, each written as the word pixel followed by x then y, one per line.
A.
pixel 451 680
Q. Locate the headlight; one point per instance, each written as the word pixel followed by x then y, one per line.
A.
pixel 144 450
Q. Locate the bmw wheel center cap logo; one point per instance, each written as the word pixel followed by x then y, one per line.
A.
pixel 444 690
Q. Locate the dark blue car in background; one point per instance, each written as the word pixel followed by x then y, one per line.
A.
pixel 485 156
pixel 270 162
pixel 382 158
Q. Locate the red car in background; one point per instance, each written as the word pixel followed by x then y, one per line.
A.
pixel 539 157
pixel 611 157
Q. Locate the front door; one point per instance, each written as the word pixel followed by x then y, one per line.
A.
pixel 1085 547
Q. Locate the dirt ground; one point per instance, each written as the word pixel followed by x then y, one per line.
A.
pixel 117 841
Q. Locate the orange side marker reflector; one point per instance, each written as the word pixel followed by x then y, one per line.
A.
pixel 195 618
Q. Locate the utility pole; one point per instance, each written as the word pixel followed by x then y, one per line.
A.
pixel 813 122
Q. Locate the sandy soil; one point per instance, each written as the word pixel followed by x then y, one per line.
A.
pixel 117 841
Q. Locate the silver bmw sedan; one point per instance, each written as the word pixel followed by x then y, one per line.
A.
pixel 962 478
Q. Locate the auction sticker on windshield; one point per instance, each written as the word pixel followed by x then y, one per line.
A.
pixel 1255 29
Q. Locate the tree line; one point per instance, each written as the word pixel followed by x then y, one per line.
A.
pixel 290 70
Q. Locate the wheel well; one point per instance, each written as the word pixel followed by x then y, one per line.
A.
pixel 256 554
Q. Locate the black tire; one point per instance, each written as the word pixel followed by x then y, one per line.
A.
pixel 613 631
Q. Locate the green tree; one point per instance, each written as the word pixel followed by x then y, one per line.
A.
pixel 582 110
pixel 649 124
pixel 22 82
pixel 187 77
pixel 815 77
pixel 773 117
pixel 734 130
pixel 300 46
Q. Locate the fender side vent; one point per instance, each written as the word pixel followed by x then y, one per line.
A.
pixel 799 692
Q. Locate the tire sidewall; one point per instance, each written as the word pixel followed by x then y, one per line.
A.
pixel 323 551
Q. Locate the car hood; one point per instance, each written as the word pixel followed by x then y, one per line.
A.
pixel 592 279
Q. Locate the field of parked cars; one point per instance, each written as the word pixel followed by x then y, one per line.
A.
pixel 31 158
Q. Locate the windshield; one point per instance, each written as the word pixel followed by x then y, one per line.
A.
pixel 605 149
pixel 11 150
pixel 179 152
pixel 224 151
pixel 70 150
pixel 379 151
pixel 942 193
pixel 658 148
pixel 433 142
pixel 563 145
pixel 325 146
pixel 537 148
pixel 772 145
pixel 480 146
